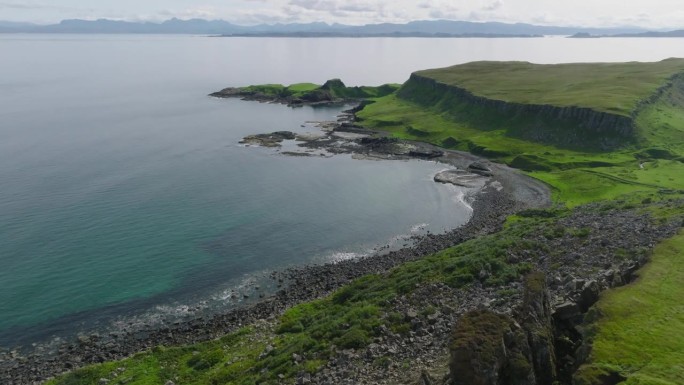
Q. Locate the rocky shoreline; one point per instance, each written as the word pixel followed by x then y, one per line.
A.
pixel 302 284
pixel 313 100
pixel 577 268
pixel 490 207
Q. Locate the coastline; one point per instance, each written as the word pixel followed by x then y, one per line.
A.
pixel 490 205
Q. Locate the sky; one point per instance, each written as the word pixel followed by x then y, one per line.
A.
pixel 661 14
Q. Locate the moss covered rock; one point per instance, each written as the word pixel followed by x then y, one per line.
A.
pixel 489 349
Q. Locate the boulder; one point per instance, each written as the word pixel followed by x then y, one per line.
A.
pixel 589 295
pixel 566 310
pixel 479 166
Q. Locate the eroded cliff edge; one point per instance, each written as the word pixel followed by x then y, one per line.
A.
pixel 569 126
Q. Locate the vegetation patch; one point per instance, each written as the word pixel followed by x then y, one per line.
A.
pixel 639 335
pixel 332 90
pixel 610 87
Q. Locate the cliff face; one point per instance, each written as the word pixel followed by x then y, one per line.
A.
pixel 539 344
pixel 570 127
pixel 495 349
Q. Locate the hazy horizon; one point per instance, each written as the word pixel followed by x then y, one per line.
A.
pixel 654 14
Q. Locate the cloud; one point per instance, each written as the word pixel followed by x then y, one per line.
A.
pixel 660 14
pixel 204 12
pixel 578 13
pixel 493 6
pixel 34 6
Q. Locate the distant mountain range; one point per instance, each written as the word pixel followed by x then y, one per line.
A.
pixel 677 33
pixel 431 28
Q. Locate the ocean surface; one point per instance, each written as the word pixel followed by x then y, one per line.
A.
pixel 124 194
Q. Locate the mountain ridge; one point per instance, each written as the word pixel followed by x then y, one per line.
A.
pixel 226 28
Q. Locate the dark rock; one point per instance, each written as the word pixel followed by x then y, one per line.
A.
pixel 425 378
pixel 481 173
pixel 589 295
pixel 489 349
pixel 479 166
pixel 538 325
pixel 421 153
pixel 303 379
pixel 269 140
pixel 566 310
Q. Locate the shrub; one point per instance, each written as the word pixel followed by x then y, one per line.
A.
pixel 354 338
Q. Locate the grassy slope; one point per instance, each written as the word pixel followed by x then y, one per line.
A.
pixel 640 331
pixel 577 177
pixel 348 318
pixel 608 87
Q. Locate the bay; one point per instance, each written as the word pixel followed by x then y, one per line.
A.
pixel 123 189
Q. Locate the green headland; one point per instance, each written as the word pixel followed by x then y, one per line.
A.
pixel 333 91
pixel 609 141
pixel 592 131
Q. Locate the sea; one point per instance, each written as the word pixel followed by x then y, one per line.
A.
pixel 126 197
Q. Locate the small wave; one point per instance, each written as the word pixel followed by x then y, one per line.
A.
pixel 419 227
pixel 461 197
pixel 178 310
pixel 343 256
pixel 234 293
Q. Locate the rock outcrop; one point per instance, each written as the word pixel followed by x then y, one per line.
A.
pixel 566 126
pixel 538 325
pixel 490 349
pixel 540 344
pixel 494 349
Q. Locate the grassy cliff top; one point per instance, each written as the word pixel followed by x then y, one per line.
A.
pixel 608 87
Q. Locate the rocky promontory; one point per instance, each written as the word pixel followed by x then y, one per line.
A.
pixel 333 91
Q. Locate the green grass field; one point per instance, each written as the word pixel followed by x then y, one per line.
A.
pixel 607 87
pixel 640 328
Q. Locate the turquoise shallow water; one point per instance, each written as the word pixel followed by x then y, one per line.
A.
pixel 124 189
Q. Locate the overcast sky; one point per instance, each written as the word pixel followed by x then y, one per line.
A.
pixel 644 13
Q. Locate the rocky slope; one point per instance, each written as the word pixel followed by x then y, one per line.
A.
pixel 527 332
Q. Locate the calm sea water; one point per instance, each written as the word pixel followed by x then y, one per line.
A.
pixel 123 190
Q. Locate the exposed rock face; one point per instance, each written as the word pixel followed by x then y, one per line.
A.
pixel 489 349
pixel 493 349
pixel 538 325
pixel 563 126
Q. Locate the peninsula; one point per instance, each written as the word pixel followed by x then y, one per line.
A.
pixel 531 291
